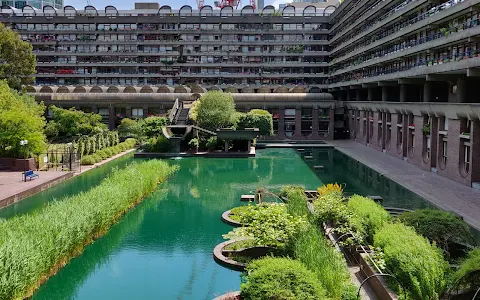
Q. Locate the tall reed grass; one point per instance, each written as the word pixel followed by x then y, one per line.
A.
pixel 34 247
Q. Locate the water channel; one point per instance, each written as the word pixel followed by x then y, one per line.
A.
pixel 163 248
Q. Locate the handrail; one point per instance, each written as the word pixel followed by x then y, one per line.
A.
pixel 173 112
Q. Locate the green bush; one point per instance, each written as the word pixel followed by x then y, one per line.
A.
pixel 152 126
pixel 97 158
pixel 157 144
pixel 331 208
pixel 438 226
pixel 271 225
pixel 214 110
pixel 417 264
pixel 257 118
pixel 212 143
pixel 366 217
pixel 468 275
pixel 280 278
pixel 108 151
pixel 32 245
pixel 88 160
pixel 102 154
pixel 312 249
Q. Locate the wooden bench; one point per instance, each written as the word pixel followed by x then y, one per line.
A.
pixel 30 175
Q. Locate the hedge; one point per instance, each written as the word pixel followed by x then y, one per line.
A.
pixel 105 153
pixel 34 246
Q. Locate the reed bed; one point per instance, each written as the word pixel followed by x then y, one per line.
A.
pixel 34 247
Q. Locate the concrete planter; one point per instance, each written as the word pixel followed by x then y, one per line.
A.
pixel 222 255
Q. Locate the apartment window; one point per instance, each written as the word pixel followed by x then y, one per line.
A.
pixel 443 157
pixel 389 131
pixel 290 122
pixel 466 158
pixel 380 131
pixel 137 112
pixel 400 133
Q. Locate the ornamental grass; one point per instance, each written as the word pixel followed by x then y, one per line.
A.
pixel 35 246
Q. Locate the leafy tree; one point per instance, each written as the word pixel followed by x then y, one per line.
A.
pixel 257 118
pixel 17 62
pixel 130 128
pixel 152 126
pixel 214 110
pixel 21 118
pixel 68 124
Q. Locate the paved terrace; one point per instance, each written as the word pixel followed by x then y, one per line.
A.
pixel 440 191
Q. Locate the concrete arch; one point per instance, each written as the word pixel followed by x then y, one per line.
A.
pixel 30 89
pixel 6 9
pixel 69 10
pixel 325 13
pixel 129 89
pixel 185 10
pixel 198 89
pixel 280 90
pixel 79 89
pixel 247 10
pixel 49 10
pixel 215 88
pixel 91 10
pixel 29 10
pixel 297 89
pixel 182 89
pixel 165 10
pixel 165 89
pixel 63 89
pixel 195 97
pixel 111 10
pixel 46 89
pixel 226 11
pixel 288 10
pixel 231 89
pixel 264 90
pixel 207 10
pixel 247 90
pixel 97 89
pixel 113 89
pixel 309 10
pixel 146 89
pixel 268 10
pixel 313 89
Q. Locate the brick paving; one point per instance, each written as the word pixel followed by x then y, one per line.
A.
pixel 13 188
pixel 440 191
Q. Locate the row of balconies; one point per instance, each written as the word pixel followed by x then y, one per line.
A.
pixel 188 75
pixel 176 53
pixel 191 64
pixel 413 25
pixel 416 25
pixel 181 42
pixel 433 40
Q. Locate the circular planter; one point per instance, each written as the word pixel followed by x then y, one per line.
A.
pixel 226 219
pixel 229 296
pixel 220 254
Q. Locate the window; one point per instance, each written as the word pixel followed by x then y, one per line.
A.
pixel 444 152
pixel 466 158
pixel 137 112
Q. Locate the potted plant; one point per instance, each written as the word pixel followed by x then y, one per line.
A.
pixel 426 129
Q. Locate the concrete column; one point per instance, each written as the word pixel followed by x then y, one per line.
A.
pixel 331 124
pixel 475 154
pixel 370 96
pixel 461 90
pixel 145 111
pixel 94 109
pixel 226 146
pixel 341 96
pixel 427 92
pixel 403 93
pixel 349 95
pixel 128 111
pixel 281 124
pixel 298 123
pixel 315 126
pixel 358 95
pixel 111 118
pixel 385 93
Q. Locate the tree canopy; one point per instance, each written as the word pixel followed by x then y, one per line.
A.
pixel 214 110
pixel 257 118
pixel 17 62
pixel 21 118
pixel 152 126
pixel 68 124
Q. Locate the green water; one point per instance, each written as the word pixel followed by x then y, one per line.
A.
pixel 163 248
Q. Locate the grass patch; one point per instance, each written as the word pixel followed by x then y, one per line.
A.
pixel 34 247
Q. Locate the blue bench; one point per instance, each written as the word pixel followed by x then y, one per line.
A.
pixel 30 174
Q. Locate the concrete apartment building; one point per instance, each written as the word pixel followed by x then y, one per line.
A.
pixel 401 76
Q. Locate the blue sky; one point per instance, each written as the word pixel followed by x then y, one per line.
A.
pixel 176 4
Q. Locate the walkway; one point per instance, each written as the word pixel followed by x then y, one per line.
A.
pixel 442 192
pixel 14 189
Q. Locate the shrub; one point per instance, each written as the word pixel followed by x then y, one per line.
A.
pixel 212 143
pixel 280 278
pixel 102 154
pixel 108 151
pixel 152 126
pixel 330 208
pixel 214 110
pixel 157 144
pixel 417 264
pixel 32 246
pixel 88 160
pixel 330 188
pixel 438 226
pixel 129 128
pixel 468 275
pixel 97 158
pixel 366 217
pixel 256 118
pixel 270 225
